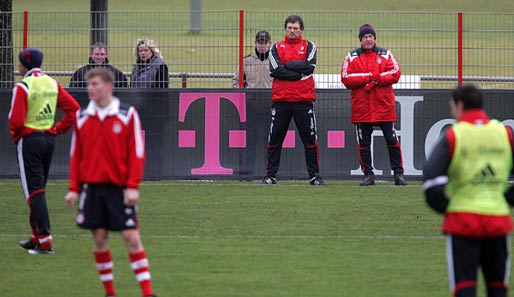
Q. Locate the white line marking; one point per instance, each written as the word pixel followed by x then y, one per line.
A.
pixel 256 236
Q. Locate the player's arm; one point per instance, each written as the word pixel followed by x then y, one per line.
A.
pixel 435 176
pixel 353 80
pixel 392 72
pixel 136 158
pixel 307 66
pixel 235 79
pixel 277 70
pixel 75 159
pixel 509 194
pixel 136 151
pixel 18 113
pixel 66 103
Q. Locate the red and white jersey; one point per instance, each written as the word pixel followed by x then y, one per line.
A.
pixel 107 147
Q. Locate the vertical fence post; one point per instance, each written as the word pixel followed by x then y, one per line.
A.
pixel 25 29
pixel 184 80
pixel 460 50
pixel 241 48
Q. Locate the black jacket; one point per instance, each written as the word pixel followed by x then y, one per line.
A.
pixel 78 79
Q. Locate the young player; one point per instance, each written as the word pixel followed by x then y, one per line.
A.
pixel 466 178
pixel 33 128
pixel 107 158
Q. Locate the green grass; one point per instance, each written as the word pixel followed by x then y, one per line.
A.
pixel 424 43
pixel 242 239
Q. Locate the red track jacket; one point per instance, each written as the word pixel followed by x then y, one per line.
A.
pixel 292 64
pixel 377 104
pixel 19 105
pixel 109 150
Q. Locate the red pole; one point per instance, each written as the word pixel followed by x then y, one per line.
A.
pixel 241 48
pixel 25 29
pixel 460 51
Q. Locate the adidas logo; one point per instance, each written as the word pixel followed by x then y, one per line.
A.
pixel 486 176
pixel 46 113
pixel 130 223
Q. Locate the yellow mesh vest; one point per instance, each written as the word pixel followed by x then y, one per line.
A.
pixel 41 102
pixel 479 170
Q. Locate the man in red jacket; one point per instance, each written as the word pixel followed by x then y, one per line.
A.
pixel 106 167
pixel 292 64
pixel 33 128
pixel 370 72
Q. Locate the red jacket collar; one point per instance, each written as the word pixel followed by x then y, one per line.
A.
pixel 293 41
pixel 474 116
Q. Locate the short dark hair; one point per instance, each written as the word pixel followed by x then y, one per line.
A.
pixel 470 96
pixel 105 75
pixel 98 45
pixel 294 19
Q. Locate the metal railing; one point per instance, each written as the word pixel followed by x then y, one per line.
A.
pixel 438 48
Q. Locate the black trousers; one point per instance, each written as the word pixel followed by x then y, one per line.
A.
pixel 364 131
pixel 305 120
pixel 34 158
pixel 465 255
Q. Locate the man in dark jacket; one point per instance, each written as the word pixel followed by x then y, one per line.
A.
pixel 292 64
pixel 370 72
pixel 97 57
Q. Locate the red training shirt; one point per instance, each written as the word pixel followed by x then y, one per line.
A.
pixel 107 147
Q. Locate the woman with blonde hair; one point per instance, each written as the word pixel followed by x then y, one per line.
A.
pixel 150 71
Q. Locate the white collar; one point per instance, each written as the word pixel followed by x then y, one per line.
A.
pixel 31 71
pixel 112 109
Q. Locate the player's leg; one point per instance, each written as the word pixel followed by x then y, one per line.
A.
pixel 280 118
pixel 463 256
pixel 395 152
pixel 124 218
pixel 363 132
pixel 305 120
pixel 92 215
pixel 495 263
pixel 32 151
pixel 103 260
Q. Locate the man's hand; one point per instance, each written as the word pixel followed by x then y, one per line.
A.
pixel 131 196
pixel 376 77
pixel 369 86
pixel 71 198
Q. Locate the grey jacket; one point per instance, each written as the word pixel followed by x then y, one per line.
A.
pixel 151 74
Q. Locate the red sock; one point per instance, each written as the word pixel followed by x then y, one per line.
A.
pixel 45 241
pixel 104 266
pixel 139 264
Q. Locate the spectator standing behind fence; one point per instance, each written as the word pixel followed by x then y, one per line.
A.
pixel 32 125
pixel 466 179
pixel 370 72
pixel 150 71
pixel 256 64
pixel 98 57
pixel 292 64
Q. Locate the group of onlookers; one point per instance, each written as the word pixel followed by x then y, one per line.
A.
pixel 149 71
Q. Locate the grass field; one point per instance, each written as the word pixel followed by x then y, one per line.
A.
pixel 424 43
pixel 242 239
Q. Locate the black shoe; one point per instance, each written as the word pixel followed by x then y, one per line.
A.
pixel 369 180
pixel 269 180
pixel 39 251
pixel 27 244
pixel 399 180
pixel 151 295
pixel 317 181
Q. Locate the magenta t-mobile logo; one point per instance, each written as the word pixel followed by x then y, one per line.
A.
pixel 187 138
